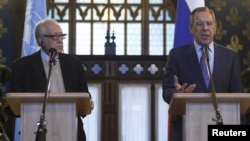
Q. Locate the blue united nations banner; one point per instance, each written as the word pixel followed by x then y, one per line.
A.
pixel 35 11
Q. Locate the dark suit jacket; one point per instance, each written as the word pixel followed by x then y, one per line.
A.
pixel 28 75
pixel 183 62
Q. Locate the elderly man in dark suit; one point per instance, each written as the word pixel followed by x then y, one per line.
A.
pixel 29 73
pixel 183 71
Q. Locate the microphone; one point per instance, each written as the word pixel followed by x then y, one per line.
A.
pixel 205 51
pixel 42 125
pixel 52 54
pixel 218 118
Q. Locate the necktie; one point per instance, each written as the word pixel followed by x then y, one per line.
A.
pixel 204 68
pixel 54 61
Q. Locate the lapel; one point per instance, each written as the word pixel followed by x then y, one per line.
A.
pixel 38 73
pixel 217 63
pixel 64 69
pixel 195 66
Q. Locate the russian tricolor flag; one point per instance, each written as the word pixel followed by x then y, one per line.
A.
pixel 182 33
pixel 184 9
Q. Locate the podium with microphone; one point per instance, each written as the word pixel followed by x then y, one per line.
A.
pixel 198 111
pixel 49 116
pixel 203 109
pixel 60 116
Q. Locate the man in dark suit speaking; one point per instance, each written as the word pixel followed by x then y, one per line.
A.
pixel 183 69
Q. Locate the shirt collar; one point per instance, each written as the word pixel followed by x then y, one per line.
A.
pixel 45 56
pixel 197 46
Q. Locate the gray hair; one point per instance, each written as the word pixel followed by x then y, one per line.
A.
pixel 201 9
pixel 39 28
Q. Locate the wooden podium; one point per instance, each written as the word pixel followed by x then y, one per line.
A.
pixel 60 113
pixel 198 111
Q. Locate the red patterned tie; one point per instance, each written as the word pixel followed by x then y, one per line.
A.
pixel 54 61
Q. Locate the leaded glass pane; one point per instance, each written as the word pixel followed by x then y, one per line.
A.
pixel 134 39
pixel 99 33
pixel 65 29
pixel 156 1
pixel 133 1
pixel 61 1
pixel 117 1
pixel 170 37
pixel 118 30
pixel 83 36
pixel 100 1
pixel 156 39
pixel 134 13
pixel 83 1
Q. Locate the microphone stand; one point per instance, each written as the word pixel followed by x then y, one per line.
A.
pixel 218 118
pixel 42 130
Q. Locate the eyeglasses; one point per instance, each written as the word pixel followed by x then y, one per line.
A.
pixel 201 24
pixel 55 37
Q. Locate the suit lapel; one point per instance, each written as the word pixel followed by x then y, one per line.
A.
pixel 64 69
pixel 217 63
pixel 38 73
pixel 196 70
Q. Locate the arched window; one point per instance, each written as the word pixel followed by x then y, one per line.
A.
pixel 140 27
